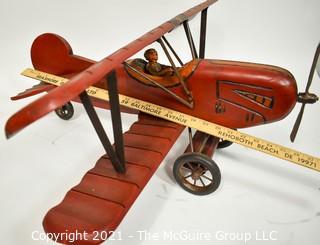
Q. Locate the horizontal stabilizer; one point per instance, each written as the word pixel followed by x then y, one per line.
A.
pixel 36 89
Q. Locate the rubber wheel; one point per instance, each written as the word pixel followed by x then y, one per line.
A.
pixel 65 112
pixel 224 144
pixel 197 173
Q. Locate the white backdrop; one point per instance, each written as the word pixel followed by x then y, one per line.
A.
pixel 258 193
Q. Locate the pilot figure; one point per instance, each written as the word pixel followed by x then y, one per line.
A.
pixel 155 68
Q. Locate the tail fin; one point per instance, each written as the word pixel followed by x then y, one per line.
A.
pixel 53 54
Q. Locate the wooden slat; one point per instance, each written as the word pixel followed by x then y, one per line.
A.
pixel 103 197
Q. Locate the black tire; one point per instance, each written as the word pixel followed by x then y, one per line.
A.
pixel 65 112
pixel 191 168
pixel 224 144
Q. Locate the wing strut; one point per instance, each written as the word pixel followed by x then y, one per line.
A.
pixel 177 73
pixel 172 50
pixel 190 40
pixel 117 156
pixel 203 33
pixel 116 117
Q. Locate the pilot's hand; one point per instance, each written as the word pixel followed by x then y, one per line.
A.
pixel 168 71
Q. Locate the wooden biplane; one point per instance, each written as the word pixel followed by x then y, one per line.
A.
pixel 228 93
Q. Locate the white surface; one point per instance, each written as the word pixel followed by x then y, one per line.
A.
pixel 258 193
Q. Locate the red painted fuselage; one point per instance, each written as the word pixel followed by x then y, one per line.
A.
pixel 232 94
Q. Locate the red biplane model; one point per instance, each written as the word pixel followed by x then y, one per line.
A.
pixel 228 93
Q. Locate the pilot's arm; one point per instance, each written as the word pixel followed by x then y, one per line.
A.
pixel 157 69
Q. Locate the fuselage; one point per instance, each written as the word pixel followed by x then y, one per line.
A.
pixel 229 93
pixel 232 94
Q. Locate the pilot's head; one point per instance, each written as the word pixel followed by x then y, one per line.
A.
pixel 151 55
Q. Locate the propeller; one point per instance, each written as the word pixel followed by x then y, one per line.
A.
pixel 306 97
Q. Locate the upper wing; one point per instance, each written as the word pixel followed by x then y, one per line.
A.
pixel 61 95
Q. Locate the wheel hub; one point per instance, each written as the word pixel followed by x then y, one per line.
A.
pixel 197 173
